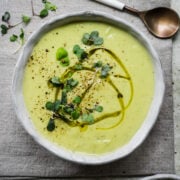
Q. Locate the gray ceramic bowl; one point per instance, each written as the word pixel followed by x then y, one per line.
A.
pixel 162 177
pixel 21 110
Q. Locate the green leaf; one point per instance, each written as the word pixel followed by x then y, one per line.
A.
pixel 88 118
pixel 21 36
pixel 61 53
pixel 4 29
pixel 92 38
pixel 6 16
pixel 77 100
pixel 65 61
pixel 86 39
pixel 105 70
pixel 26 19
pixel 98 41
pixel 51 125
pixel 78 66
pixel 75 114
pixel 72 82
pixel 68 109
pixel 80 53
pixel 44 1
pixel 56 82
pixel 57 105
pixel 97 64
pixel 98 108
pixel 64 97
pixel 43 13
pixel 13 38
pixel 49 106
pixel 50 6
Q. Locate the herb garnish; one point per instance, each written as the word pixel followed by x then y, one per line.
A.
pixel 71 110
pixel 80 53
pixel 48 6
pixel 88 118
pixel 26 19
pixel 6 17
pixel 105 70
pixel 13 38
pixel 56 82
pixel 98 108
pixel 4 29
pixel 77 100
pixel 92 38
pixel 97 64
pixel 51 125
pixel 62 56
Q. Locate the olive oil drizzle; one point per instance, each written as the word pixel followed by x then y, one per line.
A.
pixel 70 72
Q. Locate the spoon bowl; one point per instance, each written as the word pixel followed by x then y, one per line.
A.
pixel 162 22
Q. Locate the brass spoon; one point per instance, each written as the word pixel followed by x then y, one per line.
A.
pixel 162 22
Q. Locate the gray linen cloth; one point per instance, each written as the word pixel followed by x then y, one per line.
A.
pixel 21 156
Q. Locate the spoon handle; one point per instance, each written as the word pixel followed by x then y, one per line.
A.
pixel 113 3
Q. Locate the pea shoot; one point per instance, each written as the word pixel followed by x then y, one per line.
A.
pixel 26 19
pixel 80 53
pixel 62 56
pixel 92 38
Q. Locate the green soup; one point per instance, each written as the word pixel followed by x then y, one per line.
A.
pixel 122 95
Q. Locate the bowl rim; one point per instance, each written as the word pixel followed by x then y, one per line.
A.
pixel 78 157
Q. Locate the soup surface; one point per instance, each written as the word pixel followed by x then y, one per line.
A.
pixel 88 95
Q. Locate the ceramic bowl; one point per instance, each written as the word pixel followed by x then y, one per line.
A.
pixel 21 110
pixel 162 177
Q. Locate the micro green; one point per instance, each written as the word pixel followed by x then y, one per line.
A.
pixel 72 82
pixel 80 53
pixel 62 56
pixel 75 114
pixel 61 53
pixel 21 36
pixel 26 19
pixel 4 29
pixel 43 13
pixel 105 70
pixel 78 66
pixel 49 106
pixel 65 62
pixel 64 97
pixel 98 64
pixel 51 125
pixel 56 82
pixel 6 17
pixel 98 108
pixel 88 118
pixel 13 38
pixel 77 100
pixel 50 6
pixel 92 38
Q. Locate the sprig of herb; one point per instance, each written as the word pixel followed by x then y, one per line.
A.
pixel 77 100
pixel 80 53
pixel 26 19
pixel 4 29
pixel 92 38
pixel 97 64
pixel 105 70
pixel 6 17
pixel 51 125
pixel 62 56
pixel 56 82
pixel 98 108
pixel 88 118
pixel 13 38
